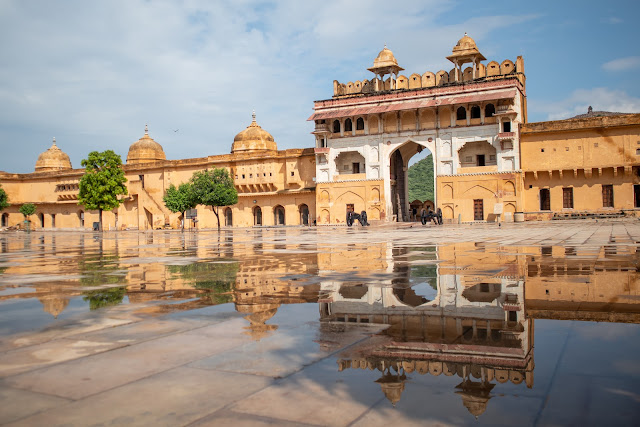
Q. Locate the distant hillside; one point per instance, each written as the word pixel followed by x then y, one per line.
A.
pixel 421 180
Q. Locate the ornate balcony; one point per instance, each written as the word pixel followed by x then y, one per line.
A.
pixel 321 129
pixel 321 150
pixel 506 136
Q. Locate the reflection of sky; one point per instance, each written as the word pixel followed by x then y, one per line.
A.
pixel 22 315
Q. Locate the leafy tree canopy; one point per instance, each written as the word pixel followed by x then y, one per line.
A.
pixel 102 182
pixel 27 209
pixel 214 188
pixel 180 199
pixel 4 199
pixel 421 180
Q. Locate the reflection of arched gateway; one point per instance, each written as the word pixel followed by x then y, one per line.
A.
pixel 278 215
pixel 304 214
pixel 399 179
pixel 257 216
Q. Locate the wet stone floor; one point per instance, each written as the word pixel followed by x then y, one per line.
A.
pixel 523 324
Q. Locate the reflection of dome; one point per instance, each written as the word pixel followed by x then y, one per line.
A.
pixel 260 313
pixel 53 159
pixel 253 138
pixel 475 396
pixel 54 305
pixel 392 386
pixel 145 150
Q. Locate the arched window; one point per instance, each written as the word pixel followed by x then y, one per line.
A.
pixel 257 216
pixel 41 217
pixel 506 126
pixel 278 215
pixel 475 112
pixel 461 113
pixel 489 110
pixel 81 218
pixel 360 123
pixel 348 126
pixel 228 217
pixel 336 126
pixel 5 220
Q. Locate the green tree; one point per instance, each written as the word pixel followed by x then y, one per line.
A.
pixel 104 297
pixel 4 199
pixel 102 182
pixel 214 188
pixel 180 199
pixel 27 210
pixel 421 180
pixel 216 279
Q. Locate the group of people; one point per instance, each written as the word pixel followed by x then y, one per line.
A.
pixel 427 215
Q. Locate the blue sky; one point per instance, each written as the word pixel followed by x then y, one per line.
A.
pixel 92 74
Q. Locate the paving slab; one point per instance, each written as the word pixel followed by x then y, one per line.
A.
pixel 94 374
pixel 17 404
pixel 227 418
pixel 279 355
pixel 171 398
pixel 318 395
pixel 60 350
pixel 66 329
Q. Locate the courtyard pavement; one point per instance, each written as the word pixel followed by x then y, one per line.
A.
pixel 119 366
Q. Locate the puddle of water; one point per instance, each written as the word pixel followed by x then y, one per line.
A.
pixel 458 320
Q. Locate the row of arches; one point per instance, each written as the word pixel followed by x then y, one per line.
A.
pixel 278 212
pixel 41 219
pixel 409 120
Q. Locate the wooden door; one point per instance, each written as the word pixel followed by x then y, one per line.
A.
pixel 478 210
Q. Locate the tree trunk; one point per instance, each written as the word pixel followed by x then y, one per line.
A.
pixel 215 211
pixel 100 219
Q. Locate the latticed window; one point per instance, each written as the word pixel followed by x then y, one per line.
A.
pixel 567 198
pixel 607 196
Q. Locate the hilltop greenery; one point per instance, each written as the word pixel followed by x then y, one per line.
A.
pixel 421 180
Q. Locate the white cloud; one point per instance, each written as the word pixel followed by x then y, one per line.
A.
pixel 93 73
pixel 601 99
pixel 622 64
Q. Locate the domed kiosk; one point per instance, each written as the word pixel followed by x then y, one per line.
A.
pixel 464 52
pixel 145 150
pixel 385 63
pixel 54 159
pixel 253 138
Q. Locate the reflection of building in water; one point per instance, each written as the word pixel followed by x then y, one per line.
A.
pixel 570 284
pixel 473 325
pixel 265 282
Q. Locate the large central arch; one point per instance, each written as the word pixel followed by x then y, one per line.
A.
pixel 398 202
